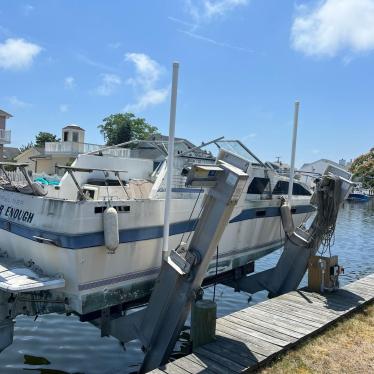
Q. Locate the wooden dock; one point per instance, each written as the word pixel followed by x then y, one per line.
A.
pixel 253 336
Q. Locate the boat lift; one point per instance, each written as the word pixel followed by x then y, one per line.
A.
pixel 179 283
pixel 183 269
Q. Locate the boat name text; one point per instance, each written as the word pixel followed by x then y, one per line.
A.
pixel 15 213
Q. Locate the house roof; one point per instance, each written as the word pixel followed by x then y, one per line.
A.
pixel 5 114
pixel 323 160
pixel 166 138
pixel 31 150
pixel 72 126
pixel 10 153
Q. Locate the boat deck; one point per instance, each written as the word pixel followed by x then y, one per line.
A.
pixel 251 337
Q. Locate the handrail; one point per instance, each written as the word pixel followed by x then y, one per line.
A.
pixel 89 170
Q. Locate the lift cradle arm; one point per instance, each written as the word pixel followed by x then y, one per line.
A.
pixel 182 272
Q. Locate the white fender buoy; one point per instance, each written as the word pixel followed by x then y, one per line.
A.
pixel 287 221
pixel 111 233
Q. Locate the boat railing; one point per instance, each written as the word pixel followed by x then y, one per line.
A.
pixel 15 176
pixel 29 186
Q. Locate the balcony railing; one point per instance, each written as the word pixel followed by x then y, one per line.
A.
pixel 4 136
pixel 69 148
pixel 75 148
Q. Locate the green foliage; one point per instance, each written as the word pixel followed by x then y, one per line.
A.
pixel 363 167
pixel 25 147
pixel 123 127
pixel 44 137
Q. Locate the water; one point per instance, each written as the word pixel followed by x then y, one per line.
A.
pixel 60 344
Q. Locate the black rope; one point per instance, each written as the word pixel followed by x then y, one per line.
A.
pixel 327 198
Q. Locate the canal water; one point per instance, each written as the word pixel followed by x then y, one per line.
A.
pixel 58 344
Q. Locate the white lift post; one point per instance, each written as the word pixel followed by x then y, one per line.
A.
pixel 170 159
pixel 293 152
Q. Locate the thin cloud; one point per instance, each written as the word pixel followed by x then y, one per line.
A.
pixel 4 31
pixel 63 108
pixel 191 26
pixel 27 9
pixel 214 42
pixel 333 26
pixel 18 103
pixel 207 10
pixel 248 137
pixel 145 80
pixel 69 82
pixel 18 54
pixel 148 98
pixel 148 71
pixel 115 45
pixel 109 84
pixel 96 64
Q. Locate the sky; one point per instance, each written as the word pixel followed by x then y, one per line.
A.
pixel 243 64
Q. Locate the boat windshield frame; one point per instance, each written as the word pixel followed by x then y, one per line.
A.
pixel 241 150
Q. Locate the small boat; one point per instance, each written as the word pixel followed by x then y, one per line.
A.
pixel 357 196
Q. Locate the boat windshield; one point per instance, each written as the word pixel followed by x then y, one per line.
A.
pixel 238 148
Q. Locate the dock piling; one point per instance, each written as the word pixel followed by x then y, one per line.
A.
pixel 203 322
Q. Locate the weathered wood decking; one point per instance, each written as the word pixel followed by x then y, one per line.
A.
pixel 252 336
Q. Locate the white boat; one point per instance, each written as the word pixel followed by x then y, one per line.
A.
pixel 61 228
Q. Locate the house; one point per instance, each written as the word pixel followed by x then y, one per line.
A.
pixel 5 134
pixel 27 157
pixel 320 167
pixel 64 152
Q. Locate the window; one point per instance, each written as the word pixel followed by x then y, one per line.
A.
pixel 120 208
pixel 258 185
pixel 75 136
pixel 298 189
pixel 66 136
pixel 281 188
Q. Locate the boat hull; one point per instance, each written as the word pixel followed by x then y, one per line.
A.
pixel 64 237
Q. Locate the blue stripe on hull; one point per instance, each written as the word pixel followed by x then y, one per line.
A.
pixel 95 239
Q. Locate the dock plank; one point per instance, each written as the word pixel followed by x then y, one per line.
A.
pixel 221 359
pixel 191 366
pixel 211 364
pixel 259 328
pixel 253 333
pixel 252 336
pixel 287 330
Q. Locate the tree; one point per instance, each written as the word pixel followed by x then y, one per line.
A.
pixel 123 127
pixel 44 137
pixel 363 168
pixel 25 147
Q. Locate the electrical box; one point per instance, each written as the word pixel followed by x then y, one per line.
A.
pixel 323 273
